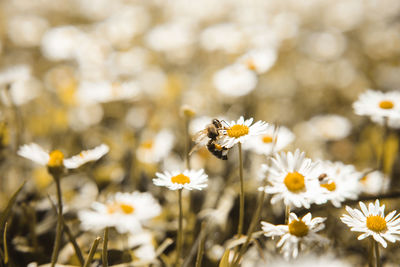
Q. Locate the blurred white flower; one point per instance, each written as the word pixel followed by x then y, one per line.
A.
pixel 15 73
pixel 56 158
pixel 372 222
pixel 297 235
pixel 340 181
pixel 188 179
pixel 326 260
pixel 152 81
pixel 235 80
pixel 26 30
pixel 124 211
pixel 241 131
pixel 82 117
pixel 374 183
pixel 60 43
pixel 128 62
pixel 325 46
pixel 329 127
pixel 259 60
pixel 226 37
pixel 155 149
pixel 292 178
pixel 275 139
pixel 379 106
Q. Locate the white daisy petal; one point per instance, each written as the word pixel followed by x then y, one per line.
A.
pixel 86 156
pixel 35 153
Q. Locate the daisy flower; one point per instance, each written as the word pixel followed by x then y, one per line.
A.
pixel 372 222
pixel 188 179
pixel 242 130
pixel 329 127
pixel 259 60
pixel 157 148
pixel 339 181
pixel 297 235
pixel 292 178
pixel 55 159
pixel 124 211
pixel 274 140
pixel 374 183
pixel 379 106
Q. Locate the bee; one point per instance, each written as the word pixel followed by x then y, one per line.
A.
pixel 211 137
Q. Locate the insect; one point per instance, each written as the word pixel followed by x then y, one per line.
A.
pixel 211 137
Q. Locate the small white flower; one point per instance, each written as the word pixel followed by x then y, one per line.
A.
pixel 379 106
pixel 298 234
pixel 340 182
pixel 259 60
pixel 374 183
pixel 242 130
pixel 329 127
pixel 372 222
pixel 188 179
pixel 124 211
pixel 293 178
pixel 14 74
pixel 226 37
pixel 155 149
pixel 56 158
pixel 235 80
pixel 274 140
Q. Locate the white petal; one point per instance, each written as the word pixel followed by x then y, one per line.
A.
pixel 35 153
pixel 86 156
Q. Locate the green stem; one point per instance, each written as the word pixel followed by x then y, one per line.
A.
pixel 187 143
pixel 180 233
pixel 92 251
pixel 5 244
pixel 104 252
pixel 377 256
pixel 59 229
pixel 241 210
pixel 200 249
pixel 381 163
pixel 71 238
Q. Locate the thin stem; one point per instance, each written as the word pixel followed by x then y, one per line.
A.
pixel 381 163
pixel 180 233
pixel 241 210
pixel 287 212
pixel 200 249
pixel 59 230
pixel 377 256
pixel 5 244
pixel 92 251
pixel 71 238
pixel 104 252
pixel 187 143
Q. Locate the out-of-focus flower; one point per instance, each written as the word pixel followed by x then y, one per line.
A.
pixel 22 91
pixel 374 183
pixel 82 117
pixel 60 43
pixel 372 222
pixel 124 211
pixel 241 131
pixel 56 158
pixel 235 80
pixel 126 63
pixel 259 60
pixel 155 149
pixel 226 37
pixel 340 182
pixel 297 235
pixel 14 74
pixel 325 46
pixel 26 30
pixel 306 260
pixel 188 179
pixel 143 244
pixel 293 178
pixel 275 139
pixel 379 106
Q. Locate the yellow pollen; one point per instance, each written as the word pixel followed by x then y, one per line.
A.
pixel 251 65
pixel 267 139
pixel 237 130
pixel 127 209
pixel 180 179
pixel 56 159
pixel 386 104
pixel 120 207
pixel 147 144
pixel 330 186
pixel 364 180
pixel 294 182
pixel 218 147
pixel 298 228
pixel 376 223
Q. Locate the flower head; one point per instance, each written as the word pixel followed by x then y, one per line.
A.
pixel 242 130
pixel 124 211
pixel 299 233
pixel 155 149
pixel 379 106
pixel 372 222
pixel 56 159
pixel 188 179
pixel 293 178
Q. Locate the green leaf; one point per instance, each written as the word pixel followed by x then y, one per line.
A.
pixel 225 259
pixel 6 212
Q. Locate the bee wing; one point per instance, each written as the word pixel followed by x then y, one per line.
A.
pixel 201 137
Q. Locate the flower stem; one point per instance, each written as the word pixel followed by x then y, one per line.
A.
pixel 187 143
pixel 59 229
pixel 104 252
pixel 287 212
pixel 180 233
pixel 377 256
pixel 381 163
pixel 92 252
pixel 200 249
pixel 241 210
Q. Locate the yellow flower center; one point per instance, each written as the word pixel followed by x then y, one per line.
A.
pixel 329 186
pixel 267 139
pixel 376 223
pixel 298 228
pixel 56 159
pixel 237 130
pixel 180 179
pixel 147 145
pixel 386 104
pixel 121 207
pixel 364 180
pixel 250 64
pixel 294 182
